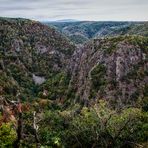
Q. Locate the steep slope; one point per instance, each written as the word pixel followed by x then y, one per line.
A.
pixel 30 54
pixel 139 29
pixel 115 69
pixel 134 28
pixel 37 61
pixel 91 95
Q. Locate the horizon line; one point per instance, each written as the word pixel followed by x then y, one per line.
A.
pixel 72 20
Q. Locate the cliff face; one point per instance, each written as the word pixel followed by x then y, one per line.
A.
pixel 35 59
pixel 114 69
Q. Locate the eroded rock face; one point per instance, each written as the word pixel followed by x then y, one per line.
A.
pixel 110 68
pixel 41 48
pixel 126 56
pixel 17 45
pixel 38 80
pixel 119 63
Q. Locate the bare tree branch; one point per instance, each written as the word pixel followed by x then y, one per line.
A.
pixel 36 127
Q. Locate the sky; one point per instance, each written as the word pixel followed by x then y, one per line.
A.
pixel 99 10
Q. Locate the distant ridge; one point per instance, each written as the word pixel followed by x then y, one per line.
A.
pixel 66 20
pixel 80 32
pixel 61 21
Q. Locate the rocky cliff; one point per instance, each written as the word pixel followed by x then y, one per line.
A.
pixel 37 61
pixel 115 69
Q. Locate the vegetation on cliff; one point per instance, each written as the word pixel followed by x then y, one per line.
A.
pixel 56 94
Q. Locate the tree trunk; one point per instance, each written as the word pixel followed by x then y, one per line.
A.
pixel 19 131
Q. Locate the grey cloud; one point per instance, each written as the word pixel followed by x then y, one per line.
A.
pixel 76 9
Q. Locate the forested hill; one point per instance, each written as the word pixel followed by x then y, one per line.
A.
pixel 55 92
pixel 82 31
pixel 31 53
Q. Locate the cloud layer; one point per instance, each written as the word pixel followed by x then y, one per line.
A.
pixel 76 9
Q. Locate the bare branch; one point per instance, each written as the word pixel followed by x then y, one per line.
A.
pixel 36 127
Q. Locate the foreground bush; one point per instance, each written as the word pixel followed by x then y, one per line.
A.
pixel 97 126
pixel 94 126
pixel 7 135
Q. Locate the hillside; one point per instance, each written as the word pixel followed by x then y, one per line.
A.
pixel 80 32
pixel 30 54
pixel 113 68
pixel 57 94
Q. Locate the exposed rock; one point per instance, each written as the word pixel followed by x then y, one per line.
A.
pixel 119 63
pixel 41 49
pixel 17 45
pixel 38 80
pixel 109 68
pixel 29 47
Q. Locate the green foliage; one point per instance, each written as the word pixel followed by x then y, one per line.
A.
pixel 98 126
pixel 7 135
pixel 78 39
pixel 20 75
pixel 21 55
pixel 56 85
pixel 97 76
pixel 50 133
pixel 8 86
pixel 79 32
pixel 98 79
pixel 145 99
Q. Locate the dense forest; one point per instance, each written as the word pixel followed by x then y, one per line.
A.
pixel 84 85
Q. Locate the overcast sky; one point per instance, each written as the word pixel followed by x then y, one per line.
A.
pixel 116 10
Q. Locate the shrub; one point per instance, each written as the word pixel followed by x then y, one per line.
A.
pixel 7 135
